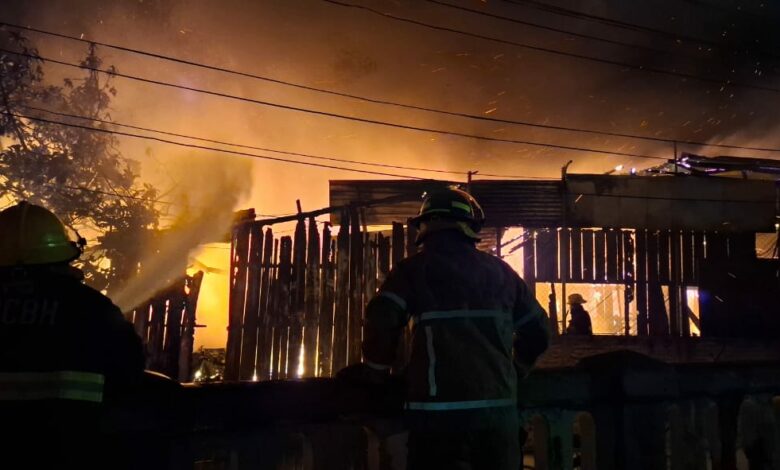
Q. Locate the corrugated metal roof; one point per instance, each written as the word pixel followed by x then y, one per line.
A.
pixel 528 203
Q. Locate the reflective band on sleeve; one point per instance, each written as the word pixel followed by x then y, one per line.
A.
pixel 395 298
pixel 530 317
pixel 460 205
pixel 432 390
pixel 458 405
pixel 65 385
pixel 377 366
pixel 445 314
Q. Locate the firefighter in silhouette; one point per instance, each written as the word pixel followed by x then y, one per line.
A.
pixel 579 323
pixel 477 328
pixel 63 346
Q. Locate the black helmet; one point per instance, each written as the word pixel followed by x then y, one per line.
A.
pixel 452 204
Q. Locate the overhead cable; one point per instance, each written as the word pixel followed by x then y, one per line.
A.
pixel 547 50
pixel 479 117
pixel 331 114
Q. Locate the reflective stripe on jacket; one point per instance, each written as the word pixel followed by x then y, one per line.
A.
pixel 66 385
pixel 472 316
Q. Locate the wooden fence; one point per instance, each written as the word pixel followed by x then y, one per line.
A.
pixel 166 324
pixel 296 303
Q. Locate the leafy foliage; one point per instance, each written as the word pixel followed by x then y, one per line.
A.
pixel 77 173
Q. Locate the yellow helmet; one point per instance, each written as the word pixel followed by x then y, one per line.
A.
pixel 30 235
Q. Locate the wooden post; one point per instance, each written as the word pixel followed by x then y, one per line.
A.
pixel 312 308
pixel 251 312
pixel 628 278
pixel 238 274
pixel 265 345
pixel 284 305
pixel 383 260
pixel 188 328
pixel 177 302
pixel 678 316
pixel 575 240
pixel 641 283
pixel 356 270
pixel 588 264
pixel 599 253
pixel 297 296
pixel 156 332
pixel 612 256
pixel 326 305
pixel 341 314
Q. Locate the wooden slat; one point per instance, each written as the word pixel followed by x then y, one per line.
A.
pixel 370 250
pixel 265 335
pixel 576 255
pixel 628 278
pixel 688 265
pixel 274 313
pixel 252 310
pixel 311 320
pixel 284 304
pixel 327 281
pixel 188 328
pixel 529 260
pixel 698 254
pixel 156 334
pixel 612 255
pixel 341 315
pixel 641 282
pixel 652 256
pixel 546 256
pixel 383 260
pixel 588 265
pixel 676 317
pixel 621 254
pixel 356 289
pixel 238 274
pixel 664 257
pixel 599 255
pixel 564 255
pixel 173 323
pixel 297 296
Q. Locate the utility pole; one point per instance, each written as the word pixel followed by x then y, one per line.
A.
pixel 564 245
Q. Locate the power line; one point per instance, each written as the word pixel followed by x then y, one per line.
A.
pixel 233 144
pixel 561 11
pixel 203 147
pixel 331 114
pixel 548 50
pixel 147 129
pixel 551 28
pixel 392 103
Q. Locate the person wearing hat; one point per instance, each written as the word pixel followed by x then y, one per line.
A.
pixel 477 329
pixel 63 345
pixel 579 322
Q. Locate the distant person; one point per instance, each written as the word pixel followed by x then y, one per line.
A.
pixel 477 330
pixel 579 321
pixel 63 346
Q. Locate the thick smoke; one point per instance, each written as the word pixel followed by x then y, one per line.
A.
pixel 211 192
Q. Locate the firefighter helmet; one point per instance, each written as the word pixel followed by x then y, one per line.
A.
pixel 32 235
pixel 454 205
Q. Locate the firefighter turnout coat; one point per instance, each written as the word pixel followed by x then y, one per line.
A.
pixel 475 325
